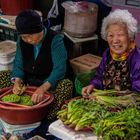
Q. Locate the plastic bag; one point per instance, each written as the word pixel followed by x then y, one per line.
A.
pixel 73 7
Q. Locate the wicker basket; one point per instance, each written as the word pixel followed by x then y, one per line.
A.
pixel 82 80
pixel 81 24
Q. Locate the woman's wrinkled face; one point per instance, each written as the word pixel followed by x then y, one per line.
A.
pixel 32 38
pixel 117 38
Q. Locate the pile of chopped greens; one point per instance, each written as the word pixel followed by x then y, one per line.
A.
pixel 18 99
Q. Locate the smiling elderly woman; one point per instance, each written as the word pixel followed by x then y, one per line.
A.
pixel 120 65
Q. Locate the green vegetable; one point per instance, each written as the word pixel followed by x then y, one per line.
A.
pixel 122 125
pixel 14 98
pixel 115 98
pixel 86 120
pixel 19 99
pixel 62 114
pixel 110 116
pixel 26 100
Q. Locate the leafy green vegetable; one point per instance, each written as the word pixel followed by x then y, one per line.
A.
pixel 111 115
pixel 25 100
pixel 14 98
pixel 122 125
pixel 19 99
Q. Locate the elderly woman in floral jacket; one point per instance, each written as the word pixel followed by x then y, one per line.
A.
pixel 120 65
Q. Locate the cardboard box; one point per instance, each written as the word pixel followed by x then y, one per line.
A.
pixel 85 63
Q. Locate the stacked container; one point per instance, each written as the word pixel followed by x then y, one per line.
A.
pixel 7 54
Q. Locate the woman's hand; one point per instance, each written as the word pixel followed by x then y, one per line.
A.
pixel 87 90
pixel 38 95
pixel 17 86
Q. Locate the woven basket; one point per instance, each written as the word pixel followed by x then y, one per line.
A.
pixel 82 80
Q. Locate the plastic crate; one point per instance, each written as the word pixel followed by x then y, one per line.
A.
pixel 8 34
pixel 82 80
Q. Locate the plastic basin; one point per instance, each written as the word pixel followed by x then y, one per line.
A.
pixel 13 114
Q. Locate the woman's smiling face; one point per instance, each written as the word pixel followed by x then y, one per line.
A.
pixel 117 38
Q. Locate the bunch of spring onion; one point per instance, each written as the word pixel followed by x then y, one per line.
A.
pixel 116 98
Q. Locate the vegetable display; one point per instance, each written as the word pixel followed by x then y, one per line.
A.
pixel 110 114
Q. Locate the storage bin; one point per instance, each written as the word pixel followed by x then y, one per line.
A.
pixel 81 24
pixel 7 54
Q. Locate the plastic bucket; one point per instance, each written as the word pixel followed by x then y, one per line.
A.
pixel 7 54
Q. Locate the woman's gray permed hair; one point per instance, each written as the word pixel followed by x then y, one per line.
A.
pixel 120 16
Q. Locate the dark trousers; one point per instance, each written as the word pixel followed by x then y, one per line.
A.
pixel 42 131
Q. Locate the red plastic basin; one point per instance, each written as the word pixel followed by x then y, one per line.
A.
pixel 24 115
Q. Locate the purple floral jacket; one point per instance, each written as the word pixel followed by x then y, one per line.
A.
pixel 134 67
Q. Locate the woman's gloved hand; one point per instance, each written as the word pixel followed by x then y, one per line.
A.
pixel 87 90
pixel 38 95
